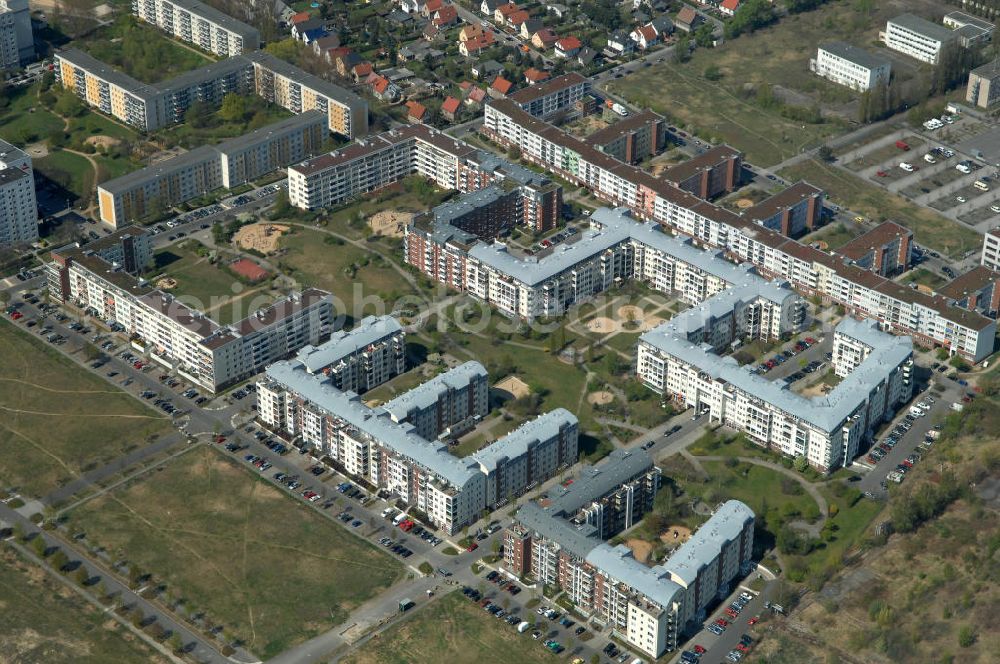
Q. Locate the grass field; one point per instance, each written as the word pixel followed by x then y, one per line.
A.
pixel 213 129
pixel 835 236
pixel 273 572
pixel 43 621
pixel 924 277
pixel 727 109
pixel 59 420
pixel 931 229
pixel 141 51
pixel 22 119
pixel 72 171
pixel 761 488
pixel 452 630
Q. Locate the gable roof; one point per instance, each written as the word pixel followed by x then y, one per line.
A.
pixel 502 85
pixel 518 17
pixel 451 105
pixel 569 43
pixel 508 9
pixel 731 5
pixel 535 75
pixel 687 15
pixel 546 36
pixel 446 14
pixel 299 18
pixel 415 110
pixel 477 94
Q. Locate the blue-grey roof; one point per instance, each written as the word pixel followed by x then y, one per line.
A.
pixel 577 539
pixel 374 423
pixel 265 133
pixel 342 344
pixel 427 394
pixel 828 412
pixel 594 482
pixel 858 56
pixel 517 442
pixel 219 18
pixel 923 27
pixel 653 582
pixel 305 79
pixel 705 545
pixel 451 211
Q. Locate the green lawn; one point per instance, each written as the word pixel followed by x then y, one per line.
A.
pixel 43 621
pixel 452 629
pixel 734 109
pixel 22 118
pixel 834 235
pixel 269 569
pixel 763 489
pixel 59 420
pixel 212 128
pixel 142 51
pixel 924 277
pixel 71 171
pixel 931 229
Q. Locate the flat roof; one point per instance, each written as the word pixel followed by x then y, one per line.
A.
pixel 129 181
pixel 858 56
pixel 427 394
pixel 85 61
pixel 578 539
pixel 335 92
pixel 923 27
pixel 219 18
pixel 11 174
pixel 544 427
pixel 376 424
pixel 705 545
pixel 876 238
pixel 625 126
pixel 972 281
pixel 265 133
pixel 370 330
pixel 594 482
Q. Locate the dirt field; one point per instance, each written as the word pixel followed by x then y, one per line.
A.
pixel 675 535
pixel 515 386
pixel 390 222
pixel 640 549
pixel 106 141
pixel 600 398
pixel 264 238
pixel 602 325
pixel 744 203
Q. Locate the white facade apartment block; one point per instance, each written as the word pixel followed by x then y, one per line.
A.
pixel 851 66
pixel 18 205
pixel 450 403
pixel 991 250
pixel 916 37
pixel 371 353
pixel 199 24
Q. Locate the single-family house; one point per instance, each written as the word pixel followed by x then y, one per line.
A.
pixel 431 7
pixel 385 89
pixel 645 36
pixel 449 109
pixel 470 32
pixel 361 71
pixel 476 96
pixel 532 76
pixel 688 19
pixel 400 18
pixel 729 7
pixel 562 11
pixel 431 32
pixel 663 25
pixel 415 112
pixel 324 45
pixel 619 43
pixel 299 18
pixel 567 47
pixel 530 27
pixel 412 6
pixel 313 28
pixel 544 39
pixel 446 16
pixel 486 70
pixel 501 87
pixel 503 11
pixel 518 18
pixel 586 56
pixel 345 63
pixel 487 7
pixel 473 47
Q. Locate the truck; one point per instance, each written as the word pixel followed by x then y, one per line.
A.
pixel 622 111
pixel 399 518
pixel 902 145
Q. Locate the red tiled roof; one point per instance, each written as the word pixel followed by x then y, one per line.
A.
pixel 647 31
pixel 546 36
pixel 300 17
pixel 450 105
pixel 415 110
pixel 465 85
pixel 536 75
pixel 434 5
pixel 381 84
pixel 569 43
pixel 518 17
pixel 502 85
pixel 508 9
pixel 446 15
pixel 477 94
pixel 731 5
pixel 687 15
pixel 363 69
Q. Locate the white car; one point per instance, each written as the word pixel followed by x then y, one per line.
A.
pixel 906 166
pixel 995 208
pixel 960 199
pixel 929 158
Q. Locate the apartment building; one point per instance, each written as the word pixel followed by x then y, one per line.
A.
pixel 129 250
pixel 17 43
pixel 649 607
pixel 367 443
pixel 930 320
pixel 552 96
pixel 199 24
pixel 227 165
pixel 714 172
pixel 976 290
pixel 990 256
pixel 983 88
pixel 917 37
pixel 178 336
pixel 18 206
pixel 636 138
pixel 371 353
pixel 971 30
pixel 446 406
pixel 291 88
pixel 150 107
pixel 792 212
pixel 886 250
pixel 500 194
pixel 680 360
pixel 850 66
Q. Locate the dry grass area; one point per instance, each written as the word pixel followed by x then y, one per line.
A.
pixel 514 386
pixel 600 398
pixel 390 223
pixel 929 594
pixel 265 238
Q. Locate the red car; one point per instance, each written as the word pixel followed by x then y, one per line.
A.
pixel 17 315
pixel 810 340
pixel 700 650
pixel 881 174
pixel 472 547
pixel 742 648
pixel 722 622
pixel 754 620
pixel 220 439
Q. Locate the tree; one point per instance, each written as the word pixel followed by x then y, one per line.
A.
pixel 286 49
pixel 197 114
pixel 282 206
pixel 825 153
pixel 704 36
pixel 966 636
pixel 801 463
pixel 713 73
pixel 234 108
pixel 69 105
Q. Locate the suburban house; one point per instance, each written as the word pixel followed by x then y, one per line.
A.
pixel 586 56
pixel 503 11
pixel 470 32
pixel 430 7
pixel 663 25
pixel 518 18
pixel 298 18
pixel 472 47
pixel 544 39
pixel 309 31
pixel 476 95
pixel 488 7
pixel 567 47
pixel 645 36
pixel 431 32
pixel 619 43
pixel 445 16
pixel 385 90
pixel 346 63
pixel 562 11
pixel 729 7
pixel 532 76
pixel 501 87
pixel 688 19
pixel 415 112
pixel 361 71
pixel 530 27
pixel 449 109
pixel 412 6
pixel 484 71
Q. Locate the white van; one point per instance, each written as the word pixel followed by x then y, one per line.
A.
pixel 981 185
